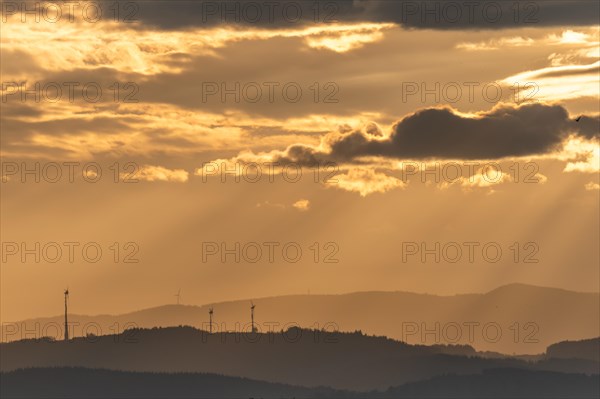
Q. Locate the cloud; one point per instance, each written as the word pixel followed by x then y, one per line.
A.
pixel 585 38
pixel 295 14
pixel 591 186
pixel 442 133
pixel 560 82
pixel 581 156
pixel 85 131
pixel 56 47
pixel 427 14
pixel 488 178
pixel 573 71
pixel 496 44
pixel 366 181
pixel 483 179
pixel 562 71
pixel 158 173
pixel 302 205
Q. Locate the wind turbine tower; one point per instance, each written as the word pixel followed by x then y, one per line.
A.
pixel 66 322
pixel 178 295
pixel 252 306
pixel 210 313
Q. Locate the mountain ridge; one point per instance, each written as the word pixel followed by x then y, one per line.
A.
pixel 500 288
pixel 518 312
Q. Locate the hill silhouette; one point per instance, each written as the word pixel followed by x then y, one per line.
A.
pixel 310 358
pixel 585 349
pixel 93 383
pixel 502 383
pixel 530 318
pixel 97 383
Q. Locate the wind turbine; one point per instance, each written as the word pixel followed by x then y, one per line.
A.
pixel 252 306
pixel 210 313
pixel 66 322
pixel 178 295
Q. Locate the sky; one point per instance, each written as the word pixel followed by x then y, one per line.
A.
pixel 233 150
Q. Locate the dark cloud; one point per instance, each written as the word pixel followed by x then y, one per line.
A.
pixel 441 14
pixel 442 134
pixel 589 127
pixel 427 14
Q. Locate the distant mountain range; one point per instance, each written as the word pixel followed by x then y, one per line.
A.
pixel 308 358
pixel 517 318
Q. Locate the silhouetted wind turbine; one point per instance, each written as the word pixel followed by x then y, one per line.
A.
pixel 252 315
pixel 66 322
pixel 578 119
pixel 178 295
pixel 210 313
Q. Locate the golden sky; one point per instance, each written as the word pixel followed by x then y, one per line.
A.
pixel 488 108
